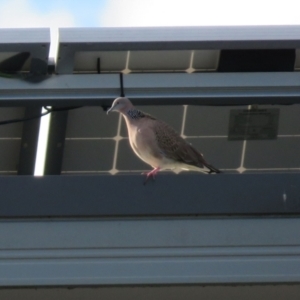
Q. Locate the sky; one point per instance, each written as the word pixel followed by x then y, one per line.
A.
pixel 75 13
pixel 112 13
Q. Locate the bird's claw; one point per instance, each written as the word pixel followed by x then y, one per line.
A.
pixel 150 174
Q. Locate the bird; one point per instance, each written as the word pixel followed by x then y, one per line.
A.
pixel 157 143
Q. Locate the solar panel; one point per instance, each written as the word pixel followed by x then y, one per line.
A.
pixel 146 61
pixel 10 140
pixel 110 61
pixel 90 133
pixel 279 154
pixel 102 140
pixel 163 48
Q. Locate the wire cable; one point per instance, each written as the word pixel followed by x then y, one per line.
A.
pixel 48 111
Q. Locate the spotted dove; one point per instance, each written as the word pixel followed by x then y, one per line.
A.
pixel 157 143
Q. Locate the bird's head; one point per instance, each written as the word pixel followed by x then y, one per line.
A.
pixel 121 105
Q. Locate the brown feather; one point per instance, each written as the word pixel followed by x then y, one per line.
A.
pixel 176 148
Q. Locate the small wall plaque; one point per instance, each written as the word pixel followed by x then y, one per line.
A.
pixel 253 124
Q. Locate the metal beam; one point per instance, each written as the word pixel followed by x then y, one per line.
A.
pixel 209 37
pixel 29 142
pixel 144 251
pixel 157 89
pixel 178 38
pixel 169 195
pixel 14 38
pixel 56 142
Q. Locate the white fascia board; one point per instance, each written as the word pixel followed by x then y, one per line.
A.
pixel 149 251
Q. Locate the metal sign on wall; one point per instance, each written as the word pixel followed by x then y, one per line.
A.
pixel 253 124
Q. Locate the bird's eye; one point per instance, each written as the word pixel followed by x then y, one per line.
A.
pixel 118 102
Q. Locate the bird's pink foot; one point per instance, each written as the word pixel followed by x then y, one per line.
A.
pixel 151 174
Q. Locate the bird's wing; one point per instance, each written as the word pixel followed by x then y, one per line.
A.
pixel 176 148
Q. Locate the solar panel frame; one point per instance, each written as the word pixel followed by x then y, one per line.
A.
pixel 72 40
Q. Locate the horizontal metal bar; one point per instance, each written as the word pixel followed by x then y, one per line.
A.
pixel 185 194
pixel 175 38
pixel 231 236
pixel 158 89
pixel 214 88
pixel 62 90
pixel 20 37
pixel 151 271
pixel 149 251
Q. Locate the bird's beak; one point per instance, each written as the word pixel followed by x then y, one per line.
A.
pixel 110 110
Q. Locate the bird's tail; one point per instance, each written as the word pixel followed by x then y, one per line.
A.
pixel 201 162
pixel 212 169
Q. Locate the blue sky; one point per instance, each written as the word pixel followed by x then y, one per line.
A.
pixel 95 13
pixel 85 12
